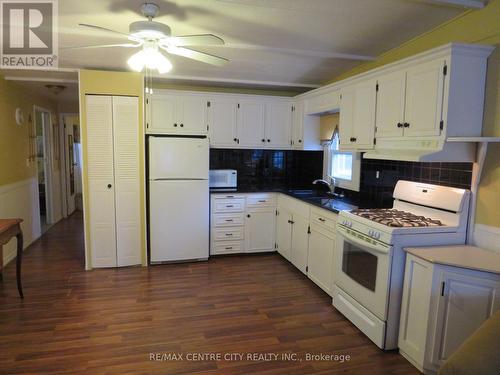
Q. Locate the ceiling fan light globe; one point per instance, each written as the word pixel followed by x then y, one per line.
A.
pixel 137 61
pixel 163 64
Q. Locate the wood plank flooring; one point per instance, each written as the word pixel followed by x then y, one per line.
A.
pixel 110 321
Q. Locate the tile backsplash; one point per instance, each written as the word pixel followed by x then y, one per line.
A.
pixel 270 168
pixel 379 177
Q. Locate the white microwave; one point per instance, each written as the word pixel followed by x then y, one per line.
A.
pixel 223 178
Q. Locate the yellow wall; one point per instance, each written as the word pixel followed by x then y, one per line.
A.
pixel 327 124
pixel 475 26
pixel 112 83
pixel 230 90
pixel 14 149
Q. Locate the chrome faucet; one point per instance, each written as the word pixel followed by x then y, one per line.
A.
pixel 331 186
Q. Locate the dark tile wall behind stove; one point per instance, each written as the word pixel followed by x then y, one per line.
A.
pixel 270 168
pixel 378 191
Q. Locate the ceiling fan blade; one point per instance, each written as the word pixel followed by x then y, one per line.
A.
pixel 196 40
pixel 196 55
pixel 95 27
pixel 128 45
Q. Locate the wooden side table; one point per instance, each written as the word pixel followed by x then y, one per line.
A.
pixel 12 228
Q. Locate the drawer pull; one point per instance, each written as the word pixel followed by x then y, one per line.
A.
pixel 291 222
pixel 229 196
pixel 229 205
pixel 262 201
pixel 229 220
pixel 228 234
pixel 321 219
pixel 229 248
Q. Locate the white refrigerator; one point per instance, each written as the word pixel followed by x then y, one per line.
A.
pixel 178 199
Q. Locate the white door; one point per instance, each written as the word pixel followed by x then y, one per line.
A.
pixel 222 122
pixel 464 304
pixel 424 99
pixel 71 161
pixel 127 180
pixel 162 114
pixel 284 233
pixel 178 158
pixel 179 220
pixel 320 259
pixel 346 117
pixel 251 123
pixel 390 105
pixel 191 113
pixel 363 130
pixel 278 124
pixel 260 231
pixel 300 242
pixel 298 126
pixel 100 175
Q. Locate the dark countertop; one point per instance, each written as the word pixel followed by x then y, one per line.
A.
pixel 318 199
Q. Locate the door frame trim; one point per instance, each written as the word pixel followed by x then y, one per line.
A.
pixel 62 145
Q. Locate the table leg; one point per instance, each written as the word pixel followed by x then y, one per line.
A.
pixel 19 260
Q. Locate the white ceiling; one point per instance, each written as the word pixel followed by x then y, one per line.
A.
pixel 288 29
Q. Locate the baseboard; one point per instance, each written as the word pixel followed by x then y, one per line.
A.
pixel 486 237
pixel 20 200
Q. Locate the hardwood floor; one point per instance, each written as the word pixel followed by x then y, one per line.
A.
pixel 109 321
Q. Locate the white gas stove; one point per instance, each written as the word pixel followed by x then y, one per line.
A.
pixel 369 257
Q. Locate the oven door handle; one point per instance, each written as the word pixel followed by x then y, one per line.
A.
pixel 373 245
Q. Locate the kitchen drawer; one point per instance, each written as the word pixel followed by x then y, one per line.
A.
pixel 227 247
pixel 261 200
pixel 228 220
pixel 228 234
pixel 228 196
pixel 323 219
pixel 228 205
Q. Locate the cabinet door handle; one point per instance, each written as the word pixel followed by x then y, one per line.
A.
pixel 353 139
pixel 321 219
pixel 229 248
pixel 400 125
pixel 263 140
pixel 406 125
pixel 229 205
pixel 248 215
pixel 291 222
pixel 442 288
pixel 235 139
pixel 300 140
pixel 175 125
pixel 229 220
pixel 228 234
pixel 229 196
pixel 110 186
pixel 269 140
pixel 262 201
pixel 182 125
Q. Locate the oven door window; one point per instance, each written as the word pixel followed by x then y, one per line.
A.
pixel 360 265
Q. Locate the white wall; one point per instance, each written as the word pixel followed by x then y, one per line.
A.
pixel 20 200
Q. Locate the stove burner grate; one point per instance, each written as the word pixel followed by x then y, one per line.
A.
pixel 396 218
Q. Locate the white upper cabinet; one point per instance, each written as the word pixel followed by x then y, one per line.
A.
pixel 176 113
pixel 222 117
pixel 357 116
pixel 424 99
pixel 251 123
pixel 390 105
pixel 278 124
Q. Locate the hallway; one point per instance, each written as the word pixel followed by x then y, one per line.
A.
pixel 110 320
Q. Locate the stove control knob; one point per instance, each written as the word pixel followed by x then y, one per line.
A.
pixel 370 233
pixel 378 235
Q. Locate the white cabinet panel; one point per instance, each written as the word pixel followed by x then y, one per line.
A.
pixel 192 114
pixel 284 233
pixel 298 125
pixel 127 180
pixel 390 105
pixel 300 242
pixel 364 115
pixel 278 124
pixel 320 258
pixel 346 116
pixel 424 99
pixel 162 118
pixel 251 125
pixel 222 122
pixel 260 230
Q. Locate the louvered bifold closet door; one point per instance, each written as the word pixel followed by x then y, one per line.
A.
pixel 127 180
pixel 99 119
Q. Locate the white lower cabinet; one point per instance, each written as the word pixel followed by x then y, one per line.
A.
pixel 284 232
pixel 441 307
pixel 300 242
pixel 242 223
pixel 319 262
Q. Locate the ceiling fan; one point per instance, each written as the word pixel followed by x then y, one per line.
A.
pixel 154 38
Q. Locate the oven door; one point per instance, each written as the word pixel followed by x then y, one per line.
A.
pixel 362 269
